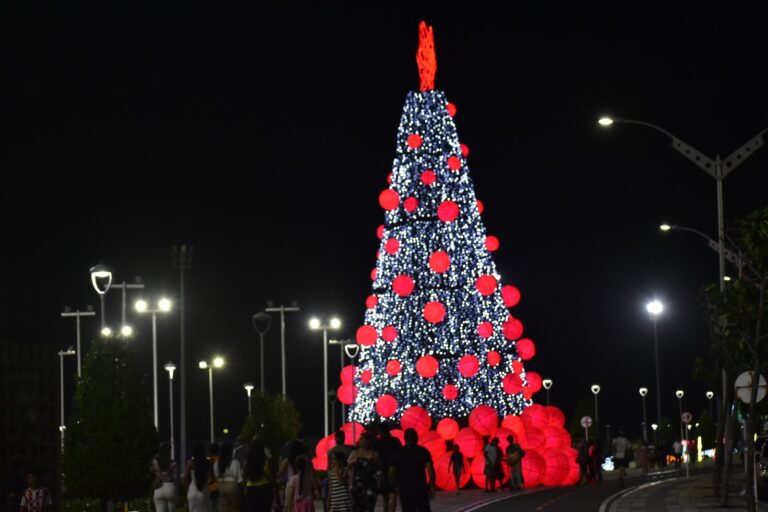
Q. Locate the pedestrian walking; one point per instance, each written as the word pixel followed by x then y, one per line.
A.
pixel 165 492
pixel 197 476
pixel 621 450
pixel 339 499
pixel 386 446
pixel 515 454
pixel 260 491
pixel 229 474
pixel 456 466
pixel 410 467
pixel 301 489
pixel 213 486
pixel 364 464
pixel 35 498
pixel 677 450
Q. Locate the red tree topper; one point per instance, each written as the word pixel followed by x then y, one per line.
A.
pixel 425 57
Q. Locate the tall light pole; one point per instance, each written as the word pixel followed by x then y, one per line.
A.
pixel 248 388
pixel 170 367
pixel 595 388
pixel 654 309
pixel 643 392
pixel 679 394
pixel 77 315
pixel 710 395
pixel 547 383
pixel 282 310
pixel 163 306
pixel 125 329
pixel 182 260
pixel 101 279
pixel 261 323
pixel 218 362
pixel 315 324
pixel 63 425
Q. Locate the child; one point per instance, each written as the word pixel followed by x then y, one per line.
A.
pixel 35 499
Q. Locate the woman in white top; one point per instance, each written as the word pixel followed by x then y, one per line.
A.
pixel 230 476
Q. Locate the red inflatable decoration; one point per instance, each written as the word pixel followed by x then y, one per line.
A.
pixel 512 384
pixel 512 328
pixel 448 428
pixel 536 416
pixel 534 381
pixel 371 301
pixel 392 246
pixel 556 416
pixel 366 376
pixel 444 473
pixel 389 333
pixel 373 274
pixel 347 394
pixel 553 438
pixel 450 392
pixel 389 199
pixel 558 467
pixel 428 177
pixel 480 207
pixel 393 367
pixel 352 431
pixel 447 211
pixel 484 420
pixel 454 163
pixel 451 109
pixel 417 418
pixel 432 441
pixel 434 312
pixel 478 471
pixel 403 285
pixel 534 468
pixel 534 438
pixel 491 243
pixel 510 294
pixel 414 140
pixel 386 405
pixel 389 178
pixel 398 434
pixel 347 374
pixel 366 335
pixel 427 366
pixel 517 366
pixel 525 349
pixel 493 358
pixel 515 425
pixel 439 261
pixel 380 231
pixel 486 285
pixel 501 434
pixel 485 330
pixel 464 150
pixel 411 204
pixel 470 443
pixel 468 365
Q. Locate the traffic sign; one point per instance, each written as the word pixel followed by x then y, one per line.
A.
pixel 586 421
pixel 743 387
pixel 686 417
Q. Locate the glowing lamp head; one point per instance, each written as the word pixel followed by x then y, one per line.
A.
pixel 203 365
pixel 248 388
pixel 314 323
pixel 164 304
pixel 726 278
pixel 665 227
pixel 101 278
pixel 547 383
pixel 106 332
pixel 170 368
pixel 710 395
pixel 351 349
pixel 335 323
pixel 595 388
pixel 141 306
pixel 654 426
pixel 218 362
pixel 643 391
pixel 654 307
pixel 679 393
pixel 126 330
pixel 605 121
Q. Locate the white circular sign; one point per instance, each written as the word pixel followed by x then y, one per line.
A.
pixel 743 387
pixel 686 417
pixel 586 422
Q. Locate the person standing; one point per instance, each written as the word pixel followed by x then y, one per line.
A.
pixel 677 449
pixel 456 466
pixel 197 476
pixel 490 454
pixel 621 455
pixel 301 489
pixel 409 469
pixel 229 474
pixel 166 479
pixel 363 465
pixel 515 456
pixel 213 486
pixel 386 446
pixel 35 498
pixel 259 488
pixel 338 495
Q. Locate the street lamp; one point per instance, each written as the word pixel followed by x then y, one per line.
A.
pixel 126 329
pixel 218 362
pixel 63 425
pixel 261 323
pixel 547 383
pixel 315 324
pixel 643 392
pixel 282 310
pixel 655 308
pixel 654 427
pixel 679 394
pixel 595 388
pixel 170 367
pixel 248 388
pixel 163 306
pixel 78 314
pixel 729 254
pixel 101 279
pixel 710 395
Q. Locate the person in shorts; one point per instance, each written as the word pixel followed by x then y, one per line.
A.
pixel 621 454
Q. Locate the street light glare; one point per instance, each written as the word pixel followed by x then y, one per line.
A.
pixel 679 393
pixel 141 306
pixel 726 278
pixel 314 323
pixel 605 121
pixel 643 391
pixel 126 330
pixel 665 227
pixel 106 332
pixel 202 365
pixel 654 426
pixel 248 387
pixel 710 395
pixel 335 323
pixel 595 388
pixel 218 362
pixel 164 304
pixel 655 307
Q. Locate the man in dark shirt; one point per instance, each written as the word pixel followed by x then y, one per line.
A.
pixel 386 446
pixel 408 470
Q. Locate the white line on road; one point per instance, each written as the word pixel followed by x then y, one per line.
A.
pixel 626 492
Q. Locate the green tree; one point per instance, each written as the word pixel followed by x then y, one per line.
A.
pixel 111 437
pixel 585 406
pixel 274 420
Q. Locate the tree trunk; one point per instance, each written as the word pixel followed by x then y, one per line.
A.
pixel 728 455
pixel 722 409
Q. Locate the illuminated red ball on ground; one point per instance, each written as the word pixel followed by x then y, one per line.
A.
pixel 534 438
pixel 491 243
pixel 347 374
pixel 450 392
pixel 526 349
pixel 386 405
pixel 366 376
pixel 486 285
pixel 485 330
pixel 556 416
pixel 558 467
pixel 494 358
pixel 393 367
pixel 439 261
pixel 414 140
pixel 484 420
pixel 347 394
pixel 389 333
pixel 389 199
pixel 403 285
pixel 427 366
pixel 501 434
pixel 512 328
pixel 434 312
pixel 417 418
pixel 534 381
pixel 515 424
pixel 468 365
pixel 454 163
pixel 451 109
pixel 480 207
pixel 444 473
pixel 512 384
pixel 371 301
pixel 366 335
pixel 478 471
pixel 470 443
pixel 411 204
pixel 536 415
pixel 534 468
pixel 392 246
pixel 511 295
pixel 447 211
pixel 464 150
pixel 428 177
pixel 432 441
pixel 380 231
pixel 448 428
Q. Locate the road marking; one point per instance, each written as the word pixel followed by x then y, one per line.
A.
pixel 490 501
pixel 626 492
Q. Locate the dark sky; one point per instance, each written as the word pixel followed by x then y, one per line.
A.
pixel 262 135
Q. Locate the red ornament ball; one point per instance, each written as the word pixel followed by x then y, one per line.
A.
pixel 416 418
pixel 448 211
pixel 366 376
pixel 414 140
pixel 491 243
pixel 428 177
pixel 534 381
pixel 485 330
pixel 517 366
pixel 448 428
pixel 512 384
pixel 371 301
pixel 427 366
pixel 347 374
pixel 393 367
pixel 513 328
pixel 403 285
pixel 347 394
pixel 450 392
pixel 511 295
pixel 434 312
pixel 464 150
pixel 439 261
pixel 451 109
pixel 454 163
pixel 366 335
pixel 470 443
pixel 386 405
pixel 389 178
pixel 389 333
pixel 373 274
pixel 389 199
pixel 486 285
pixel 468 365
pixel 534 468
pixel 432 441
pixel 480 207
pixel 380 231
pixel 411 204
pixel 484 420
pixel 494 358
pixel 392 246
pixel 526 349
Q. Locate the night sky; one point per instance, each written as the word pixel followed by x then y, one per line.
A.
pixel 263 135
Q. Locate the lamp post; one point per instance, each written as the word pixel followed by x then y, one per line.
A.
pixel 218 362
pixel 261 323
pixel 710 395
pixel 77 315
pixel 595 388
pixel 248 388
pixel 282 310
pixel 654 309
pixel 679 394
pixel 643 392
pixel 63 425
pixel 163 306
pixel 547 383
pixel 170 367
pixel 182 260
pixel 316 325
pixel 101 279
pixel 125 329
pixel 654 427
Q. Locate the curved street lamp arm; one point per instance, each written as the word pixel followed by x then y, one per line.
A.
pixel 728 254
pixel 737 157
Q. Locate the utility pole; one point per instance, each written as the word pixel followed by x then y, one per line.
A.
pixel 271 308
pixel 182 260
